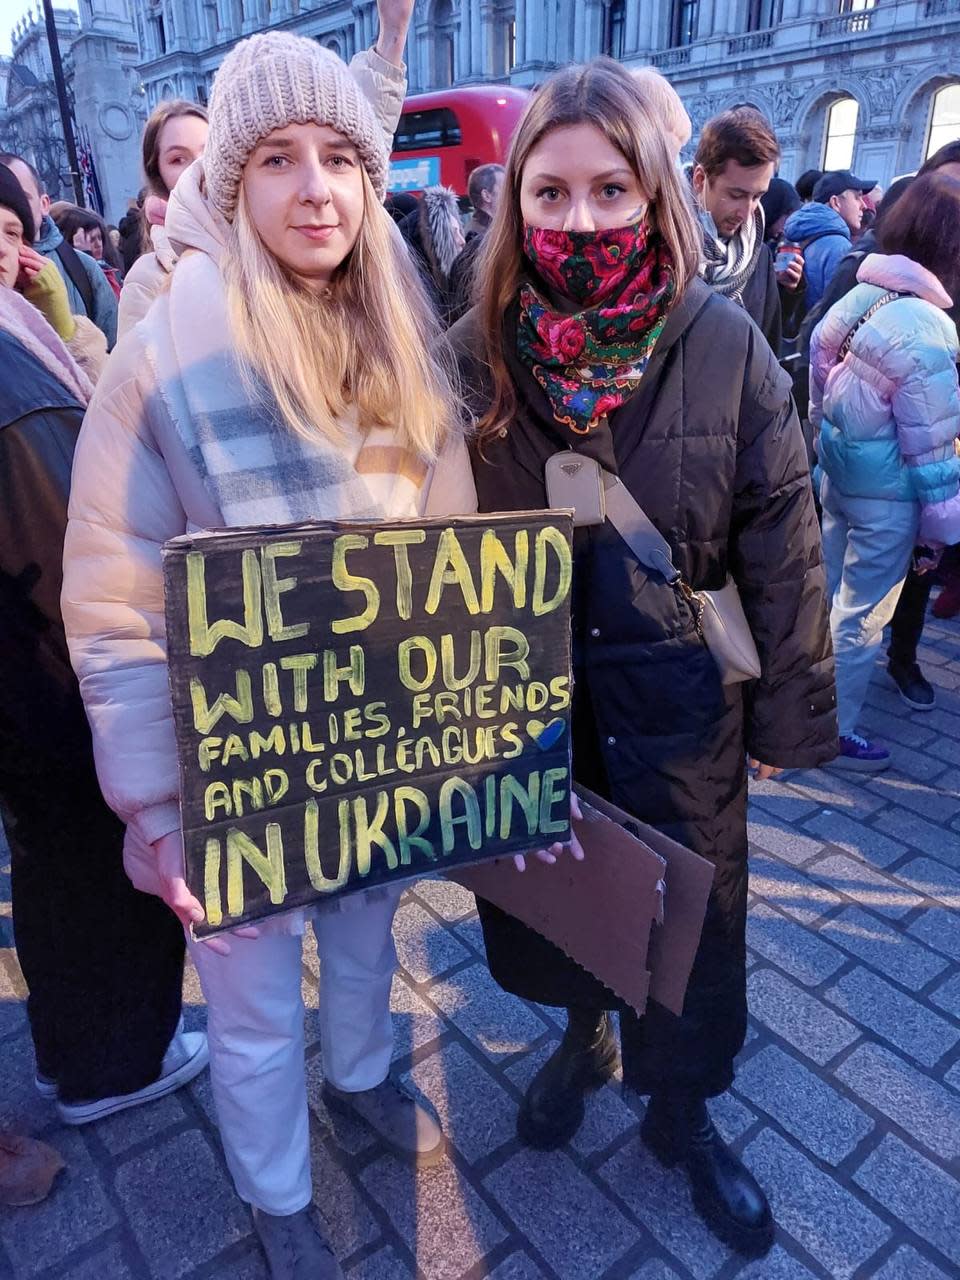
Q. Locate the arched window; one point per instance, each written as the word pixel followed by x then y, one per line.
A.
pixel 615 29
pixel 840 134
pixel 684 21
pixel 334 47
pixel 944 119
pixel 443 44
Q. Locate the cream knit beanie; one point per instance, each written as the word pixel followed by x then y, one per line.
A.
pixel 276 79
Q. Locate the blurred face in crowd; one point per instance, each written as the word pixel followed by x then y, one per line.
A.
pixel 489 199
pixel 575 179
pixel 850 205
pixel 731 197
pixel 89 241
pixel 303 186
pixel 38 200
pixel 182 139
pixel 11 238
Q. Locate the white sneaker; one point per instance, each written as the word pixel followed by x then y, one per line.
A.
pixel 185 1058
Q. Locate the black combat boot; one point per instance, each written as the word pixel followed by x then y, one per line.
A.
pixel 679 1131
pixel 552 1109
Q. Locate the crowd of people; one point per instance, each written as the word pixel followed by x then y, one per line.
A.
pixel 287 344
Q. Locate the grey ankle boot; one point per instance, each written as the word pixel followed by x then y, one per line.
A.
pixel 392 1112
pixel 294 1246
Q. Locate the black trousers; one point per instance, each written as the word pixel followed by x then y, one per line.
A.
pixel 103 962
pixel 906 627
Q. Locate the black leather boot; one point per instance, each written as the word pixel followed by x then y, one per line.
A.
pixel 679 1131
pixel 553 1107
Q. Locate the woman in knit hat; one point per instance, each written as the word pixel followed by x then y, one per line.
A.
pixel 176 134
pixel 283 376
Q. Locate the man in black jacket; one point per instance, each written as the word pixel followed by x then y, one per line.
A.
pixel 735 163
pixel 103 963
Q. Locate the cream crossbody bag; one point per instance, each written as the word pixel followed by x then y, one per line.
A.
pixel 579 482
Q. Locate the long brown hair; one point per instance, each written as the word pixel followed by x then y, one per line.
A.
pixel 171 109
pixel 603 94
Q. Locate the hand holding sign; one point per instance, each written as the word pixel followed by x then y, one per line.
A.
pixel 169 854
pixel 551 855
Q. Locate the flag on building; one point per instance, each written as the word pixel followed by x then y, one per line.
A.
pixel 88 171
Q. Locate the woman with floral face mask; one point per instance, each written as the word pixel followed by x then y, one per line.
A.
pixel 594 334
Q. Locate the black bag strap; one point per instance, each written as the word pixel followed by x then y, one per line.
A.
pixel 871 311
pixel 74 269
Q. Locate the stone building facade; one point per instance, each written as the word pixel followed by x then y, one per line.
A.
pixel 100 54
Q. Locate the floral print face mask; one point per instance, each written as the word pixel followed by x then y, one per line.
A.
pixel 590 362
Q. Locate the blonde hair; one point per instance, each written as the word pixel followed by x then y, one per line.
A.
pixel 603 94
pixel 370 342
pixel 666 102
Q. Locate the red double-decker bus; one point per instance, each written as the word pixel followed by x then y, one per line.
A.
pixel 442 137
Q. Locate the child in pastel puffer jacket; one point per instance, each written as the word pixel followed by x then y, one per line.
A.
pixel 884 400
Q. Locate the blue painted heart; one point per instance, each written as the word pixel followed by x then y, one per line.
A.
pixel 546 735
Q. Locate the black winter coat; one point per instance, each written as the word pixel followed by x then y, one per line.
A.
pixel 762 302
pixel 711 448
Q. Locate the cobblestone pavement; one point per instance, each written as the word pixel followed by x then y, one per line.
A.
pixel 847 1101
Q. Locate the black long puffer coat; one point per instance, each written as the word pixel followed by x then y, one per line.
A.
pixel 711 448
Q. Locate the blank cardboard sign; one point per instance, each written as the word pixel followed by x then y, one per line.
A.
pixel 631 913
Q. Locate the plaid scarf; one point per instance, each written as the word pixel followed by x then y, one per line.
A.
pixel 590 362
pixel 728 264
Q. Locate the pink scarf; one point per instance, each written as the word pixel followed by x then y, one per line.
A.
pixel 23 321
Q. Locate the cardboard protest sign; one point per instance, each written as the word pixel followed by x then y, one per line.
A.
pixel 631 913
pixel 360 703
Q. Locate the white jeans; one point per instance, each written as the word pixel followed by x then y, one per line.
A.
pixel 867 544
pixel 255 1028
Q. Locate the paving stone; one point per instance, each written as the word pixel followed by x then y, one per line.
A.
pixel 477 1116
pixel 799 1018
pixel 920 1033
pixel 777 1265
pixel 919 1105
pixel 918 765
pixel 833 1226
pixel 521 1072
pixel 893 726
pixel 947 997
pixel 934 879
pixel 105 1264
pixel 907 1264
pixel 778 797
pixel 941 720
pixel 470 931
pixel 385 1264
pixel 870 888
pixel 928 801
pixel 447 898
pixel 884 947
pixel 415 1024
pixel 180 1204
pixel 799 951
pixel 244 1262
pixel 498 1022
pixel 607 1118
pixel 781 838
pixel 75 1213
pixel 914 831
pixel 952 1077
pixel 660 1198
pixel 791 890
pixel 348 1221
pixel 576 1228
pixel 21 1108
pixel 863 842
pixel 654 1270
pixel 730 1116
pixel 517 1267
pixel 126 1129
pixel 829 790
pixel 916 1192
pixel 939 928
pixel 425 948
pixel 438 1215
pixel 802 1103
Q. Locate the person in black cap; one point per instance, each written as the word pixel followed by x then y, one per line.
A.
pixel 825 228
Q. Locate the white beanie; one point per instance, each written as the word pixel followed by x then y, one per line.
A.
pixel 276 79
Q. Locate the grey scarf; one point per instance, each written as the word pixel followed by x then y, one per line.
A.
pixel 728 264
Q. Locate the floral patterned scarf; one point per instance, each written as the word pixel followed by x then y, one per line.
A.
pixel 590 362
